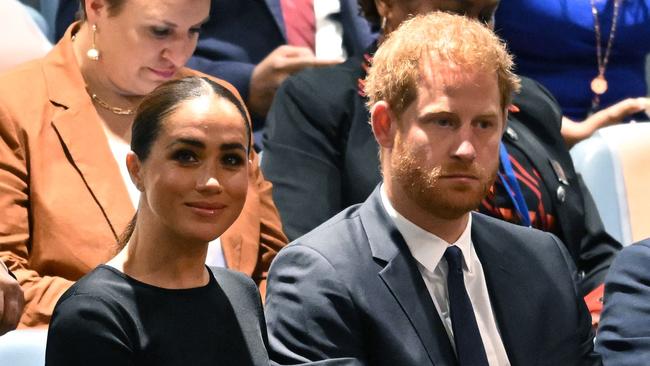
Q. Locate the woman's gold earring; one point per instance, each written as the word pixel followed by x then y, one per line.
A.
pixel 383 24
pixel 93 52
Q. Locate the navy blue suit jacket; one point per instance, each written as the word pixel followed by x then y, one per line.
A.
pixel 351 292
pixel 624 333
pixel 242 33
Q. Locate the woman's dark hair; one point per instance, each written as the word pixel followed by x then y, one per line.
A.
pixel 166 99
pixel 369 11
pixel 114 7
pixel 162 102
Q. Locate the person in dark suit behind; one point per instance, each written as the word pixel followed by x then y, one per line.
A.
pixel 411 277
pixel 245 42
pixel 624 332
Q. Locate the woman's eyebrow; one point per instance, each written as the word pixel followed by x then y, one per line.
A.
pixel 232 146
pixel 187 141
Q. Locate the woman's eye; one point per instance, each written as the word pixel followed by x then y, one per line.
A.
pixel 232 160
pixel 196 30
pixel 185 157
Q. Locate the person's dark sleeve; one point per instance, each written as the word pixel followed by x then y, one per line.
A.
pixel 65 15
pixel 624 332
pixel 302 155
pixel 235 72
pixel 85 330
pixel 310 315
pixel 584 331
pixel 597 248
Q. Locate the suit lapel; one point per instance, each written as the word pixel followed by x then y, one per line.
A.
pixel 76 123
pixel 404 281
pixel 276 11
pixel 508 289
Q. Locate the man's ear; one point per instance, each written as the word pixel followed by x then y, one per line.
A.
pixel 134 166
pixel 506 112
pixel 94 9
pixel 384 124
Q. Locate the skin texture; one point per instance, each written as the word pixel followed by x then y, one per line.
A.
pixel 193 185
pixel 448 138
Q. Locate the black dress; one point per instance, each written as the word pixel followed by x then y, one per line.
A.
pixel 108 318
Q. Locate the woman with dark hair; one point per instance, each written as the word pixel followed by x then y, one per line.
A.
pixel 65 127
pixel 156 302
pixel 321 155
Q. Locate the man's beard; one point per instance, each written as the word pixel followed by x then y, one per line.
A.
pixel 422 185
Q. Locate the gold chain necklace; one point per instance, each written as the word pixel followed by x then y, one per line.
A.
pixel 115 110
pixel 102 103
pixel 599 83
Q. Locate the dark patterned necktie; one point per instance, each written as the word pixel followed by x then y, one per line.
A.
pixel 469 346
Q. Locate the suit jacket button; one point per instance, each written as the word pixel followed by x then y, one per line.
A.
pixel 561 194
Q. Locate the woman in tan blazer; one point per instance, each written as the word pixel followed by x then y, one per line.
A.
pixel 64 200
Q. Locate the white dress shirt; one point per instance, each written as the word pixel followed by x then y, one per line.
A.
pixel 329 32
pixel 428 250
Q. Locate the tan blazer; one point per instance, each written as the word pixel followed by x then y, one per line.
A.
pixel 63 202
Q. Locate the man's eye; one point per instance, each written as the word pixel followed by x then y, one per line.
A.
pixel 443 122
pixel 485 124
pixel 160 32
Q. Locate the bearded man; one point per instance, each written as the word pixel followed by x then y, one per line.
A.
pixel 412 276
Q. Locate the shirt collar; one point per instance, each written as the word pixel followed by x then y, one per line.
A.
pixel 425 247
